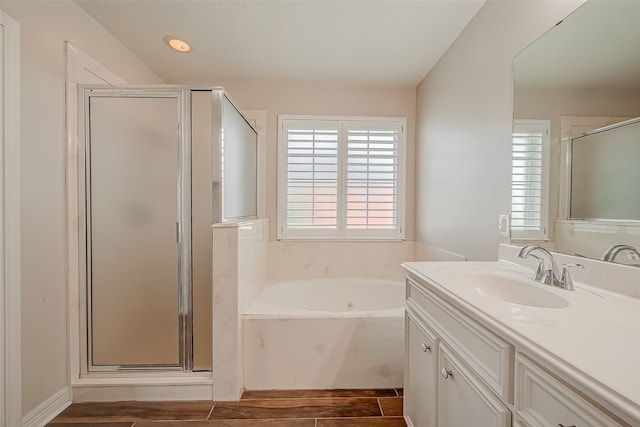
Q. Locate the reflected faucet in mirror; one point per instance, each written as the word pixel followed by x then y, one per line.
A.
pixel 613 251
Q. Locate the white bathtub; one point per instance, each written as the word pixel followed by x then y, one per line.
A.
pixel 325 333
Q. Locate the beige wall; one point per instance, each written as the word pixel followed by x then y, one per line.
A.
pixel 326 100
pixel 463 130
pixel 44 28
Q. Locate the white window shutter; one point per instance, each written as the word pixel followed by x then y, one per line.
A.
pixel 529 180
pixel 311 176
pixel 372 177
pixel 340 178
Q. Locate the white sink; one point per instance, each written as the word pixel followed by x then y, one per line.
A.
pixel 516 291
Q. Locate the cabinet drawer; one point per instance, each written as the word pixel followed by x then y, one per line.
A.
pixel 542 400
pixel 488 355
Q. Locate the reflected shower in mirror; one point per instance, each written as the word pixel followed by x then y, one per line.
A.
pixel 582 75
pixel 605 173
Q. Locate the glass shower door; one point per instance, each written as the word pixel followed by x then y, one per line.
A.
pixel 137 277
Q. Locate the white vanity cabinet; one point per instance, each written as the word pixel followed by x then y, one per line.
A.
pixel 461 372
pixel 457 374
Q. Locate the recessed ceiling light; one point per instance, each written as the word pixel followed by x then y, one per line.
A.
pixel 177 44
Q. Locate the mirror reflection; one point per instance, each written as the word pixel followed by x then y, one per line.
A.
pixel 582 75
pixel 605 173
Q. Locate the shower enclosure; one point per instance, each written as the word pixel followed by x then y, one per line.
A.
pixel 161 165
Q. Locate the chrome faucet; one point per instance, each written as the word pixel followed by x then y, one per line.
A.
pixel 613 251
pixel 546 264
pixel 547 271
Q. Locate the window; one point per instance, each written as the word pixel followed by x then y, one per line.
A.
pixel 341 177
pixel 529 185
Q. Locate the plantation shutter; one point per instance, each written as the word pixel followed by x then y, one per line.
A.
pixel 312 176
pixel 340 178
pixel 372 177
pixel 529 186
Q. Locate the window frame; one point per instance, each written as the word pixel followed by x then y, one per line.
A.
pixel 341 232
pixel 541 234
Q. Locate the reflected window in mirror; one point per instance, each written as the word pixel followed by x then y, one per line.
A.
pixel 529 180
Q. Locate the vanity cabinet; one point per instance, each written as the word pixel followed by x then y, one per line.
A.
pixel 459 373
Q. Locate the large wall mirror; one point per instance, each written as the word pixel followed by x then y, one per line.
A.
pixel 583 78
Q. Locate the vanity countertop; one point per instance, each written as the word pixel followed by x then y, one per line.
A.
pixel 593 342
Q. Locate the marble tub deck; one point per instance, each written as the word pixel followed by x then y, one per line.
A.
pixel 280 408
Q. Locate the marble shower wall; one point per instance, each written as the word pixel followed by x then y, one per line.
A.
pixel 239 266
pixel 252 260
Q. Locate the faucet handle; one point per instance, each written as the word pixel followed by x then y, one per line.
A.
pixel 539 268
pixel 565 278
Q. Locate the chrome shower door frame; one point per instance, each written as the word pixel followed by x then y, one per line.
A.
pixel 183 228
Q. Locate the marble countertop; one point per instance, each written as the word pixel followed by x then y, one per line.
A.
pixel 593 342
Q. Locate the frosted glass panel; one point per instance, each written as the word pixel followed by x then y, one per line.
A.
pixel 605 176
pixel 239 148
pixel 132 207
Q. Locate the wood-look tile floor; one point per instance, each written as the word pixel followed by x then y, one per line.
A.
pixel 278 408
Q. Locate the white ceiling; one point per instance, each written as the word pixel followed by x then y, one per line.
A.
pixel 390 43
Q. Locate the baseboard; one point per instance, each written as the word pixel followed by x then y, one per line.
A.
pixel 49 409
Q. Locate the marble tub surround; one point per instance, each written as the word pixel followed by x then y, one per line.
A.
pixel 325 333
pixel 590 342
pixel 239 265
pixel 253 261
pixel 245 263
pixel 301 259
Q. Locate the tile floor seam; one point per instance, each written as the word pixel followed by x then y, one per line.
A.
pixel 266 395
pixel 318 398
pixel 211 411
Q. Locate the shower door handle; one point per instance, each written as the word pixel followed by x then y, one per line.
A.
pixel 177 232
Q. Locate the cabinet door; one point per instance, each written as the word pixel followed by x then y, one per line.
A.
pixel 463 400
pixel 542 400
pixel 420 373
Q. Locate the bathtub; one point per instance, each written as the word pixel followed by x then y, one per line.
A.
pixel 325 333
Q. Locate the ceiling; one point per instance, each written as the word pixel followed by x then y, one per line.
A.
pixel 390 43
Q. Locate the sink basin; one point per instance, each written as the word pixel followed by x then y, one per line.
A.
pixel 516 291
